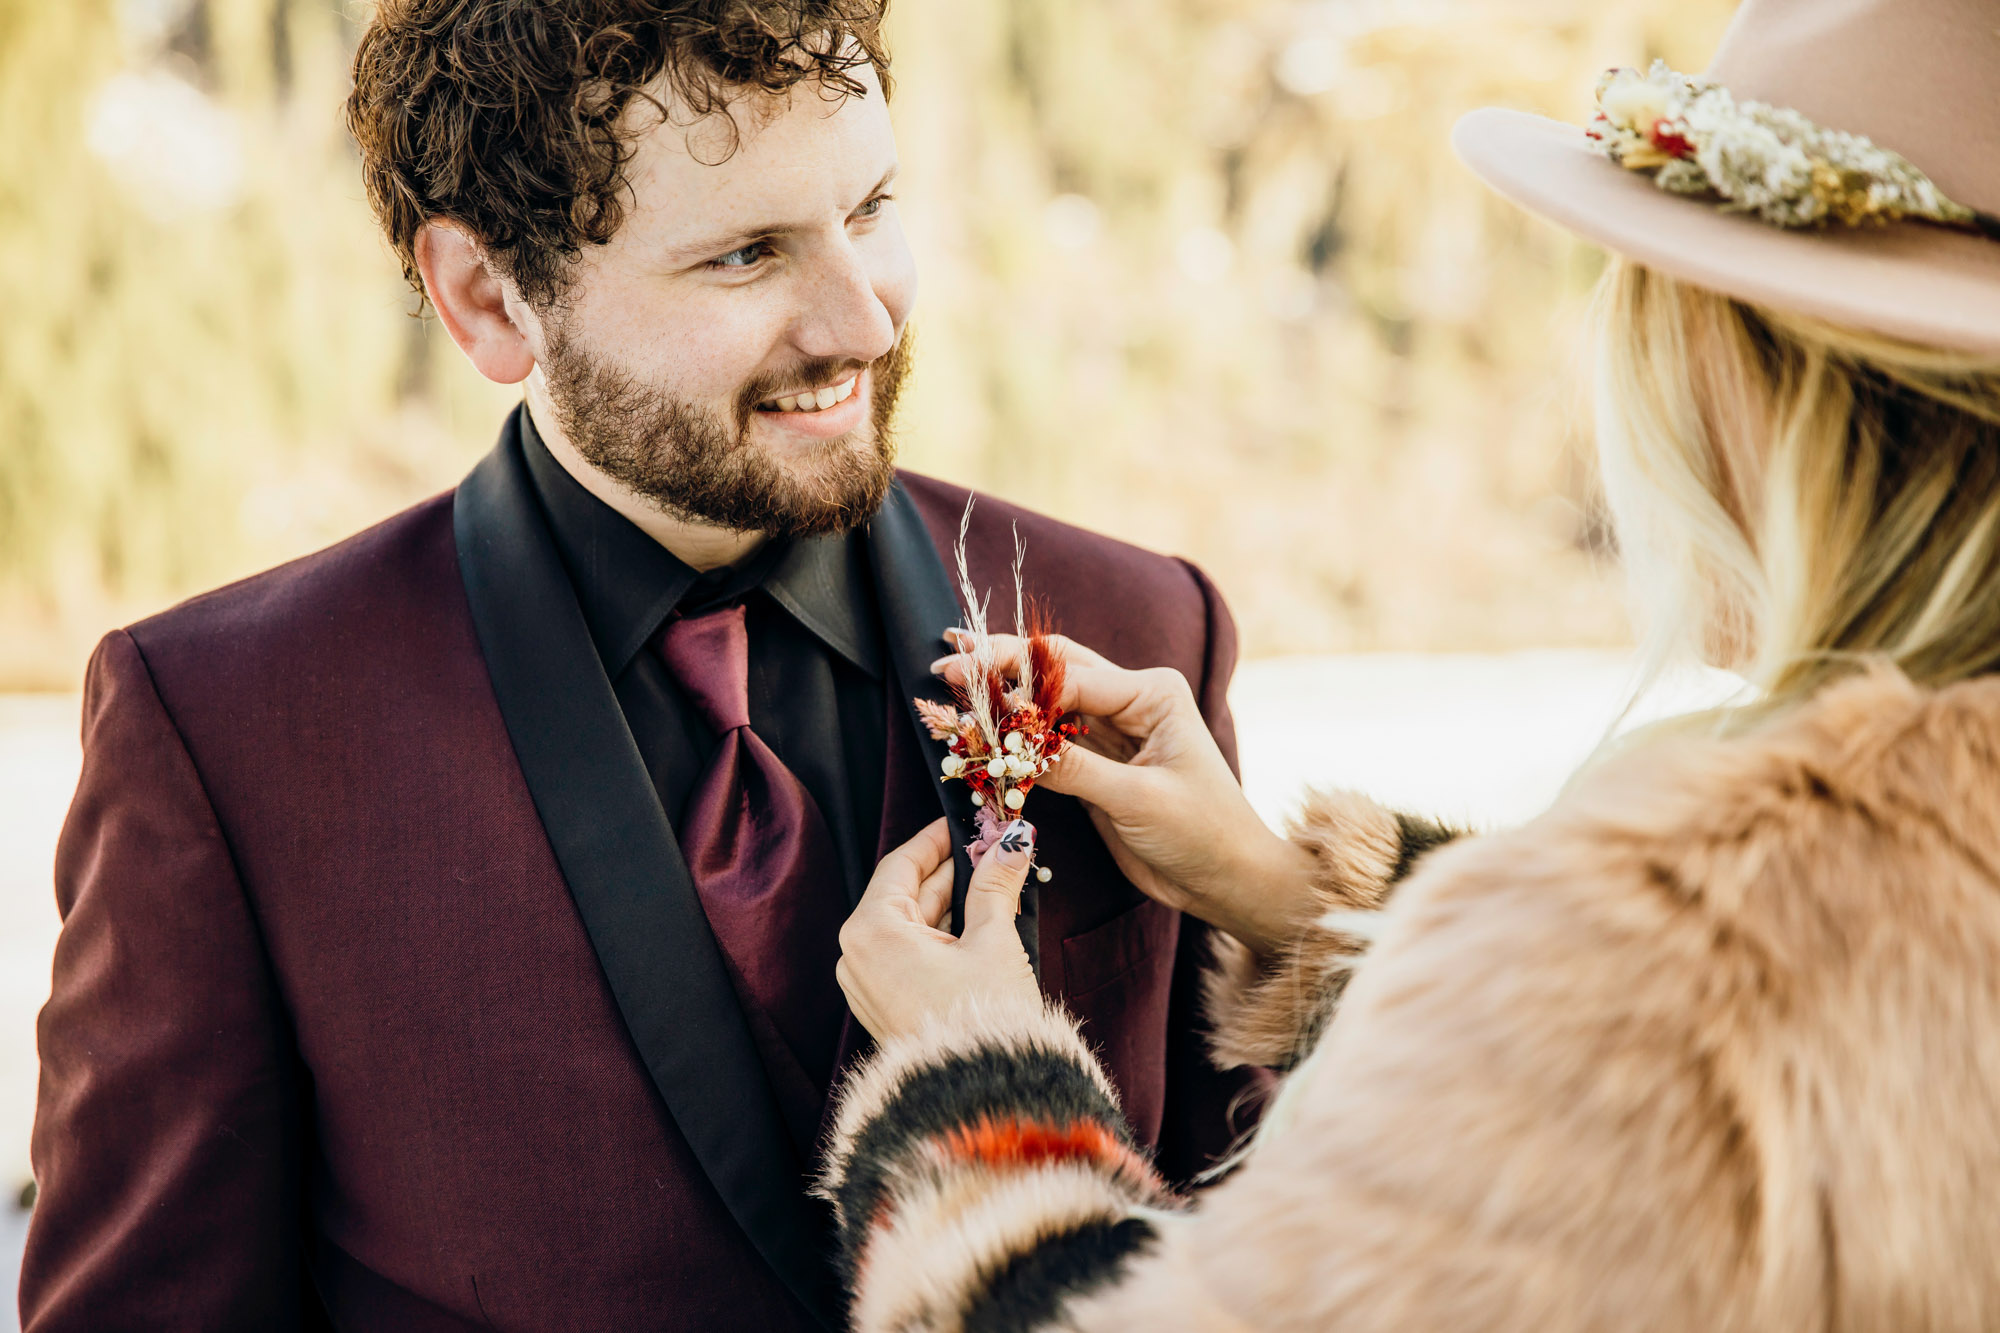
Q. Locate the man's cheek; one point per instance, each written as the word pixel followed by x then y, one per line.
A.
pixel 892 270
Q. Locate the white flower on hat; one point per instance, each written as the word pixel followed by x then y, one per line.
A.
pixel 1632 101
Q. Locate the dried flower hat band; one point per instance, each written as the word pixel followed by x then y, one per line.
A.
pixel 1774 163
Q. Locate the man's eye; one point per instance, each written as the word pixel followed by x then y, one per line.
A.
pixel 873 206
pixel 743 258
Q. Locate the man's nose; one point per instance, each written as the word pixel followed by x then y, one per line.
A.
pixel 842 315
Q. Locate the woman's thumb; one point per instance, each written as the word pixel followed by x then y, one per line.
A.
pixel 993 896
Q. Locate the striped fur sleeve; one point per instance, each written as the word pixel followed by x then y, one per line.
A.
pixel 1270 1012
pixel 982 1175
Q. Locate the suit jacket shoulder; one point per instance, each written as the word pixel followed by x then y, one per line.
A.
pixel 389 576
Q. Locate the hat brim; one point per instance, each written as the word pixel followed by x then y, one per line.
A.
pixel 1915 281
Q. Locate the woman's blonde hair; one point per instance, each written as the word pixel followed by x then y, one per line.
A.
pixel 1793 499
pixel 1796 499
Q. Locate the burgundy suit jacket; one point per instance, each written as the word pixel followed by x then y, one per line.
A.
pixel 383 999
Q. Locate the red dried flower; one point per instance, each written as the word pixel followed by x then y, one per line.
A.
pixel 1663 137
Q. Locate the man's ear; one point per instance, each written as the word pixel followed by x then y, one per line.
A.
pixel 471 301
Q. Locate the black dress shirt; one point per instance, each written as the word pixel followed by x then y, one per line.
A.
pixel 816 655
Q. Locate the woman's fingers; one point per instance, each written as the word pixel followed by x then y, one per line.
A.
pixel 1132 701
pixel 1097 689
pixel 1009 648
pixel 1009 652
pixel 898 882
pixel 1094 779
pixel 899 971
pixel 934 895
pixel 993 898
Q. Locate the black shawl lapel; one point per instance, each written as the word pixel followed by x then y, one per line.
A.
pixel 624 868
pixel 919 602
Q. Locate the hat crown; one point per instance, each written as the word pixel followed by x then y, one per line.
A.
pixel 1919 77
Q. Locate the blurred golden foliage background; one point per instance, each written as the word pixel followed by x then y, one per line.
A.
pixel 1200 273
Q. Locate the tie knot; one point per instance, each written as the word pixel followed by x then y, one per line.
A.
pixel 709 655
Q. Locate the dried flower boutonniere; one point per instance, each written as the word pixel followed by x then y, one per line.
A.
pixel 1002 736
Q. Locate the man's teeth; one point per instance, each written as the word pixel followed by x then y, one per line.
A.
pixel 820 399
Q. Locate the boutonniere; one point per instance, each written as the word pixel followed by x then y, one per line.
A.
pixel 1004 734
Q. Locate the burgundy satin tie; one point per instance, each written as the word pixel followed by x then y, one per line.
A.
pixel 764 864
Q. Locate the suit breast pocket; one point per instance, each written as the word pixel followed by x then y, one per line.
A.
pixel 1118 978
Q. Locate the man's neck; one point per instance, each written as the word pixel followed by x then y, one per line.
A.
pixel 700 546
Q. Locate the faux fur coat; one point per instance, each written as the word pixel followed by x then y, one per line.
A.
pixel 1712 1045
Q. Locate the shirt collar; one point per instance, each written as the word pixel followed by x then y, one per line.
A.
pixel 628 584
pixel 826 585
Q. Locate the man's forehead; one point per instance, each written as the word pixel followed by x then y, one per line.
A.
pixel 761 152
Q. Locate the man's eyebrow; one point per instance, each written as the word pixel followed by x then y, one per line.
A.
pixel 725 243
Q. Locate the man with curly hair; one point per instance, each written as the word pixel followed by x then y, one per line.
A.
pixel 450 916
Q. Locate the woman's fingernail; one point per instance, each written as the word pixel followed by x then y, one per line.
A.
pixel 937 667
pixel 1016 845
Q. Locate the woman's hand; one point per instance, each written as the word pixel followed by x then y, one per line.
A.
pixel 1164 800
pixel 898 966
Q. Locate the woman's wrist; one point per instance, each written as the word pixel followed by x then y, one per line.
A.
pixel 1270 899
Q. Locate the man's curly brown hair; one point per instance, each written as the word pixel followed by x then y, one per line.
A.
pixel 510 116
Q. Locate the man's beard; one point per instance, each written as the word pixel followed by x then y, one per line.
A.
pixel 697 466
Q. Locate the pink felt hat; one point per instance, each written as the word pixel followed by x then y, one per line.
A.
pixel 1920 78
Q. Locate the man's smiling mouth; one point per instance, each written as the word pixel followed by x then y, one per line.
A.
pixel 813 400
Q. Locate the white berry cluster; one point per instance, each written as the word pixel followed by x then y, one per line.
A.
pixel 1019 759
